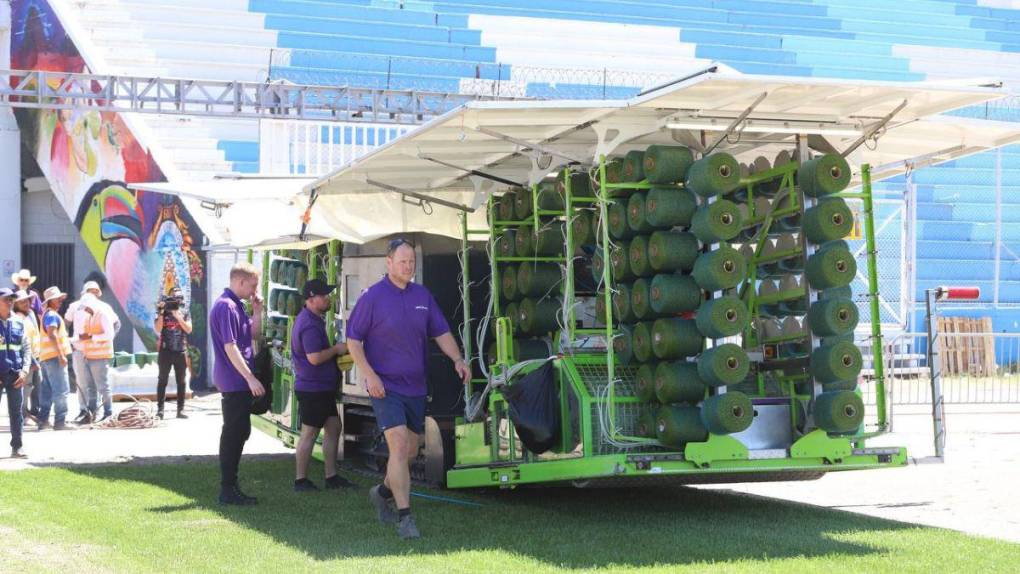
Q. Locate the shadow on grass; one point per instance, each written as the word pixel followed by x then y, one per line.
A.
pixel 558 526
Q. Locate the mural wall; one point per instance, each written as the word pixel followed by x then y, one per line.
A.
pixel 145 243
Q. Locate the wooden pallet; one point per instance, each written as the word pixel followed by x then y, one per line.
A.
pixel 967 346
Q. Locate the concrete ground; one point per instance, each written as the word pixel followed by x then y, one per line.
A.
pixel 972 491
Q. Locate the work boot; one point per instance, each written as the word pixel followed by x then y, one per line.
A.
pixel 383 508
pixel 407 529
pixel 232 495
pixel 60 426
pixel 81 416
pixel 43 424
pixel 84 420
pixel 337 482
pixel 181 415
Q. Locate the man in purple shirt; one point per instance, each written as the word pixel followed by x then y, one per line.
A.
pixel 316 378
pixel 231 330
pixel 387 336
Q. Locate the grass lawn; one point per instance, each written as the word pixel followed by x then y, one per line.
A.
pixel 162 518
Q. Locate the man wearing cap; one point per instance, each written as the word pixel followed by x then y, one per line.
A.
pixel 22 281
pixel 316 378
pixel 15 363
pixel 387 336
pixel 233 351
pixel 94 329
pixel 23 307
pixel 54 347
pixel 90 295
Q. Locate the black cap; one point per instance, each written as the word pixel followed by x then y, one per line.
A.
pixel 315 287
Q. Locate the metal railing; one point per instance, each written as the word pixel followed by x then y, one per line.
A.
pixel 317 148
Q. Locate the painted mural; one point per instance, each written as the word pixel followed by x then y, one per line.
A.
pixel 145 243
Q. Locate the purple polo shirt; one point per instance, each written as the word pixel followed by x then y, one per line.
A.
pixel 309 336
pixel 229 323
pixel 395 326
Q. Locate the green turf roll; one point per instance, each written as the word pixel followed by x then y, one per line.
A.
pixel 505 206
pixel 506 243
pixel 523 204
pixel 717 174
pixel 642 341
pixel 600 308
pixel 840 386
pixel 524 241
pixel 274 270
pixel 678 425
pixel 614 174
pixel 538 279
pixel 672 294
pixel 644 383
pixel 550 196
pixel 274 300
pixel 647 422
pixel 513 313
pixel 640 299
pixel 539 316
pixel 672 251
pixel 830 266
pixel 717 221
pixel 722 317
pixel 294 303
pixel 619 261
pixel 667 163
pixel 678 382
pixel 839 361
pixel 839 411
pixel 529 349
pixel 676 338
pixel 580 185
pixel 723 268
pixel 623 345
pixel 622 310
pixel 727 414
pixel 638 253
pixel 828 220
pixel 508 283
pixel 583 228
pixel 286 272
pixel 549 239
pixel 823 175
pixel 598 265
pixel 667 207
pixel 636 217
pixel 617 215
pixel 634 166
pixel 832 317
pixel 300 277
pixel 723 365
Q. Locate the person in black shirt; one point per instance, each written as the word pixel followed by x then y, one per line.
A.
pixel 173 323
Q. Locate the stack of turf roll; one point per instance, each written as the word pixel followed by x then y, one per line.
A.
pixel 286 278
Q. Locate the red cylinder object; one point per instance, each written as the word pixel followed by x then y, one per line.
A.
pixel 961 293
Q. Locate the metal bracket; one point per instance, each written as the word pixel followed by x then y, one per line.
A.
pixel 540 169
pixel 736 121
pixel 483 189
pixel 873 129
pixel 473 172
pixel 614 133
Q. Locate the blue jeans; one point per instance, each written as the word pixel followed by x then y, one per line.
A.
pixel 97 382
pixel 54 391
pixel 15 401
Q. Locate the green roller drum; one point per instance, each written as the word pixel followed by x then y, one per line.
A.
pixel 678 382
pixel 723 268
pixel 512 312
pixel 505 206
pixel 508 283
pixel 598 265
pixel 718 221
pixel 677 425
pixel 634 166
pixel 831 266
pixel 717 174
pixel 506 243
pixel 667 207
pixel 838 361
pixel 640 266
pixel 728 413
pixel 622 310
pixel 623 345
pixel 616 213
pixel 539 316
pixel 640 301
pixel 524 241
pixel 646 422
pixel 828 220
pixel 274 270
pixel 824 175
pixel 583 228
pixel 642 341
pixel 722 317
pixel 549 239
pixel 619 261
pixel 550 196
pixel 667 163
pixel 614 171
pixel 644 383
pixel 538 279
pixel 672 294
pixel 723 365
pixel 580 185
pixel 529 349
pixel 833 317
pixel 636 217
pixel 522 204
pixel 294 303
pixel 676 338
pixel 300 277
pixel 839 411
pixel 672 251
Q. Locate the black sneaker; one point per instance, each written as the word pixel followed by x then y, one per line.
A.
pixel 337 482
pixel 181 415
pixel 59 426
pixel 304 485
pixel 233 496
pixel 383 507
pixel 81 416
pixel 159 415
pixel 105 416
pixel 84 420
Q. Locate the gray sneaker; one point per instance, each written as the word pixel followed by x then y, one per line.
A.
pixel 407 529
pixel 383 508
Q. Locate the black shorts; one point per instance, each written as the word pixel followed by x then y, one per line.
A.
pixel 315 408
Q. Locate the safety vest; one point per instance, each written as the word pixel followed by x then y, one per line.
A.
pixel 32 333
pixel 47 349
pixel 12 337
pixel 96 350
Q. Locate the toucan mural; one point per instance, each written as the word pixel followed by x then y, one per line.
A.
pixel 145 243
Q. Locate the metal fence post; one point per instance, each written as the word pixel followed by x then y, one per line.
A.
pixel 935 370
pixel 998 225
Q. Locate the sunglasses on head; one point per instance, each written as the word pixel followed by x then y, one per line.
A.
pixel 396 243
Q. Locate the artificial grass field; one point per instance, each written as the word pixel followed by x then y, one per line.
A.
pixel 164 518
